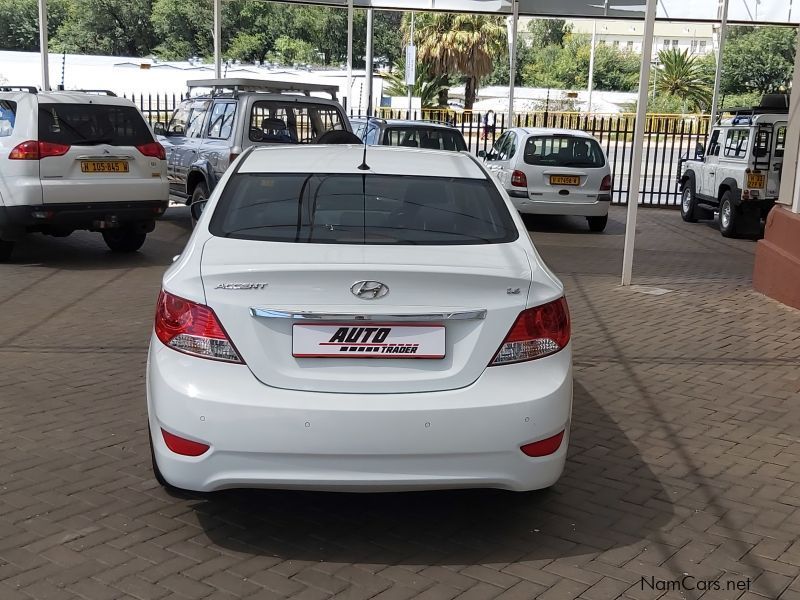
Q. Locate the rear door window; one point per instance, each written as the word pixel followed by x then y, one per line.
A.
pixel 8 116
pixel 91 124
pixel 362 209
pixel 563 151
pixel 278 122
pixel 433 138
pixel 220 125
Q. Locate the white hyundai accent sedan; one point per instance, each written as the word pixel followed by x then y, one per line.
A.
pixel 341 322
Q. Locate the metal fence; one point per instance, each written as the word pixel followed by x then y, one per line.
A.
pixel 667 139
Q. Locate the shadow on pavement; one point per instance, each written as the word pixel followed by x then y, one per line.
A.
pixel 564 224
pixel 606 483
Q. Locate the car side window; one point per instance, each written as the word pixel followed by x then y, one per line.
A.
pixel 508 147
pixel 177 124
pixel 512 146
pixel 736 143
pixel 8 114
pixel 494 153
pixel 780 141
pixel 194 126
pixel 372 135
pixel 713 144
pixel 220 125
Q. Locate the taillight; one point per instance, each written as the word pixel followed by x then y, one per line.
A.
pixel 183 446
pixel 537 332
pixel 192 328
pixel 33 150
pixel 543 447
pixel 518 179
pixel 605 185
pixel 153 149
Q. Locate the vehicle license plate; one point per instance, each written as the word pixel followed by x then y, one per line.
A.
pixel 564 180
pixel 104 166
pixel 756 180
pixel 348 340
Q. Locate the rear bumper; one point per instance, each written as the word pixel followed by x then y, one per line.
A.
pixel 543 205
pixel 268 437
pixel 18 220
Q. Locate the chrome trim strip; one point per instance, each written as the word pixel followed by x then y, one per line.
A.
pixel 104 157
pixel 271 313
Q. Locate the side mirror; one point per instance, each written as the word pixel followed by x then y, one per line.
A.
pixel 481 153
pixel 197 208
pixel 160 129
pixel 699 150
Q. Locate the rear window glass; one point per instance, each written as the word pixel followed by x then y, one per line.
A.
pixel 417 137
pixel 292 122
pixel 564 151
pixel 90 124
pixel 362 209
pixel 8 115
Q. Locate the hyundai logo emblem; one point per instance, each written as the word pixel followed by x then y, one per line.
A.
pixel 369 290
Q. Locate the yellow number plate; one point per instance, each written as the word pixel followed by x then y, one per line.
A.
pixel 104 166
pixel 564 180
pixel 756 180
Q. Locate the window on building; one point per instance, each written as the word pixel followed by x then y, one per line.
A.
pixel 616 44
pixel 702 46
pixel 674 43
pixel 694 46
pixel 630 45
pixel 666 44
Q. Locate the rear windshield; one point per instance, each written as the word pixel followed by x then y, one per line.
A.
pixel 564 151
pixel 418 137
pixel 8 114
pixel 91 124
pixel 292 122
pixel 362 209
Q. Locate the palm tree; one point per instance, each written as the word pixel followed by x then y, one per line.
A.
pixel 460 43
pixel 426 85
pixel 682 75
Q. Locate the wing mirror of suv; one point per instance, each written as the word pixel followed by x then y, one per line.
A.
pixel 699 151
pixel 197 208
pixel 159 128
pixel 481 153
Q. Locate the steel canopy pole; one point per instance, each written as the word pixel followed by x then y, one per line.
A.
pixel 349 55
pixel 43 45
pixel 218 39
pixel 638 141
pixel 512 51
pixel 368 65
pixel 591 65
pixel 723 31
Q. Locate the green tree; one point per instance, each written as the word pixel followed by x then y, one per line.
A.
pixel 427 86
pixel 547 32
pixel 19 25
pixel 681 75
pixel 290 51
pixel 461 44
pixel 758 59
pixel 116 27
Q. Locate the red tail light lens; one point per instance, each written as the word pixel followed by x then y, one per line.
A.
pixel 543 447
pixel 518 179
pixel 193 329
pixel 183 446
pixel 537 332
pixel 605 185
pixel 33 150
pixel 153 149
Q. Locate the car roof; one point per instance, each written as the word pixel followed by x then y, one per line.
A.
pixel 346 158
pixel 410 123
pixel 69 97
pixel 551 131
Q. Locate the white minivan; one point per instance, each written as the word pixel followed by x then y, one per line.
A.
pixel 553 172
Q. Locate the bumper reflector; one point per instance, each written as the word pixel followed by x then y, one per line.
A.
pixel 183 446
pixel 543 447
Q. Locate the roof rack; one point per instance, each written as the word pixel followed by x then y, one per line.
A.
pixel 98 92
pixel 19 88
pixel 771 104
pixel 234 86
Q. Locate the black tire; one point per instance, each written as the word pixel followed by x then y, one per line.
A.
pixel 729 215
pixel 688 203
pixel 6 248
pixel 200 194
pixel 597 224
pixel 124 239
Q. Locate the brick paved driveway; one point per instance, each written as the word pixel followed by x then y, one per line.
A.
pixel 684 457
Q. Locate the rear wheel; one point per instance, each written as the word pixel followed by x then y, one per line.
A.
pixel 200 194
pixel 597 224
pixel 688 203
pixel 6 248
pixel 124 239
pixel 728 215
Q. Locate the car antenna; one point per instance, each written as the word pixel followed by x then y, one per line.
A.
pixel 364 166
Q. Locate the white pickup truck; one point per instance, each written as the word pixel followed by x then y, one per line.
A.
pixel 738 174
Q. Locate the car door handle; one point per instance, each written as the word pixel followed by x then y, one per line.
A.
pixel 712 172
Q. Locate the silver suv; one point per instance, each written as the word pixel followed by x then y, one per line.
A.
pixel 77 160
pixel 209 130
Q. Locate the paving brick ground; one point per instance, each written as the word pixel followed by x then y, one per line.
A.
pixel 684 456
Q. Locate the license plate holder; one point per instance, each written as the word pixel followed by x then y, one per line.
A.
pixel 104 166
pixel 756 180
pixel 565 180
pixel 368 340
